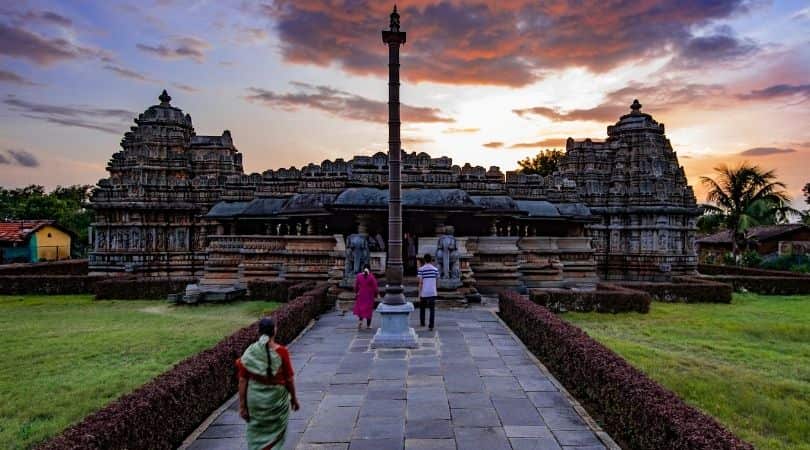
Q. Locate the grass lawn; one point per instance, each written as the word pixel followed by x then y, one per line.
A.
pixel 747 364
pixel 64 357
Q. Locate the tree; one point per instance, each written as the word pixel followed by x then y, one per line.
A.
pixel 66 205
pixel 806 213
pixel 545 163
pixel 743 197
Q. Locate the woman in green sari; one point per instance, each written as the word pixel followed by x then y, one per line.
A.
pixel 266 389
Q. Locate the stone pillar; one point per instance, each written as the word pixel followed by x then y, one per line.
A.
pixel 394 309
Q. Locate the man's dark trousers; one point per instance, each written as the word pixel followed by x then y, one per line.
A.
pixel 427 302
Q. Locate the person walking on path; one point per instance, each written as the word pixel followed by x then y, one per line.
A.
pixel 366 290
pixel 427 274
pixel 266 390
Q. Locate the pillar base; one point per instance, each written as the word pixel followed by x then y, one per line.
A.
pixel 395 332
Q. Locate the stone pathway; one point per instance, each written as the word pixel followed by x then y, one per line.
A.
pixel 470 385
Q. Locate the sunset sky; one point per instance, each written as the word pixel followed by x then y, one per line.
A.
pixel 485 82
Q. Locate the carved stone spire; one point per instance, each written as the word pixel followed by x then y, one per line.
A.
pixel 394 26
pixel 164 98
pixel 636 107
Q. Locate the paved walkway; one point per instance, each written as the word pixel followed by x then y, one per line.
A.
pixel 470 385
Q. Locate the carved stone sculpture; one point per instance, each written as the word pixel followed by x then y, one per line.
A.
pixel 357 254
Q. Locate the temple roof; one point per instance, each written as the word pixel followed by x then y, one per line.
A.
pixel 373 199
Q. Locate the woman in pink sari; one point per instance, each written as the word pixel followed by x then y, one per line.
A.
pixel 365 286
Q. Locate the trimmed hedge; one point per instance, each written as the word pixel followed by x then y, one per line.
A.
pixel 277 291
pixel 767 285
pixel 164 411
pixel 716 269
pixel 48 284
pixel 65 267
pixel 607 298
pixel 684 289
pixel 634 409
pixel 129 288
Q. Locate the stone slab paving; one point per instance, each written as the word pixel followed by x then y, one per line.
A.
pixel 471 385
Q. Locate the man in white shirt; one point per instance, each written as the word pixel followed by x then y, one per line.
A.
pixel 428 274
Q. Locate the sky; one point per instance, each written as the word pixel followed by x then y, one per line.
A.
pixel 487 82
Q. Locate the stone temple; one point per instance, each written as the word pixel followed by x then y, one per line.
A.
pixel 179 204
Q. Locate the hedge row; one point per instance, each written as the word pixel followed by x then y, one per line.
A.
pixel 280 291
pixel 768 285
pixel 161 413
pixel 129 288
pixel 633 408
pixel 684 289
pixel 607 298
pixel 716 269
pixel 47 284
pixel 66 267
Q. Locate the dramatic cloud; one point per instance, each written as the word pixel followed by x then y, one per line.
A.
pixel 765 151
pixel 21 43
pixel 778 91
pixel 178 48
pixel 493 144
pixel 664 96
pixel 13 78
pixel 48 17
pixel 18 157
pixel 545 143
pixel 721 47
pixel 506 43
pixel 342 104
pixel 461 130
pixel 102 119
pixel 126 73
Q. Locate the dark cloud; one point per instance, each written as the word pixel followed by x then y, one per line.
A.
pixel 506 43
pixel 778 91
pixel 721 47
pixel 19 158
pixel 185 87
pixel 48 17
pixel 765 151
pixel 545 143
pixel 20 43
pixel 178 48
pixel 126 73
pixel 495 144
pixel 11 77
pixel 342 104
pixel 108 120
pixel 461 130
pixel 660 97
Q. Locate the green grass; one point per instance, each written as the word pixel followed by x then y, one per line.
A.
pixel 63 357
pixel 747 364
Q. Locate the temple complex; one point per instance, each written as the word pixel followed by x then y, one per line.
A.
pixel 179 204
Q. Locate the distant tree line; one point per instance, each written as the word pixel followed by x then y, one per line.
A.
pixel 68 206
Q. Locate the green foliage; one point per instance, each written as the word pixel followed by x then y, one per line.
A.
pixel 751 259
pixel 545 163
pixel 729 259
pixel 745 364
pixel 744 197
pixel 67 356
pixel 794 263
pixel 66 205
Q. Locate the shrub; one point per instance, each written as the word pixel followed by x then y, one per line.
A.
pixel 710 269
pixel 788 262
pixel 751 259
pixel 276 291
pixel 161 413
pixel 607 298
pixel 633 408
pixel 66 267
pixel 685 289
pixel 129 288
pixel 768 285
pixel 47 284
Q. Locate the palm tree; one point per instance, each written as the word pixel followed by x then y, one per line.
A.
pixel 743 197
